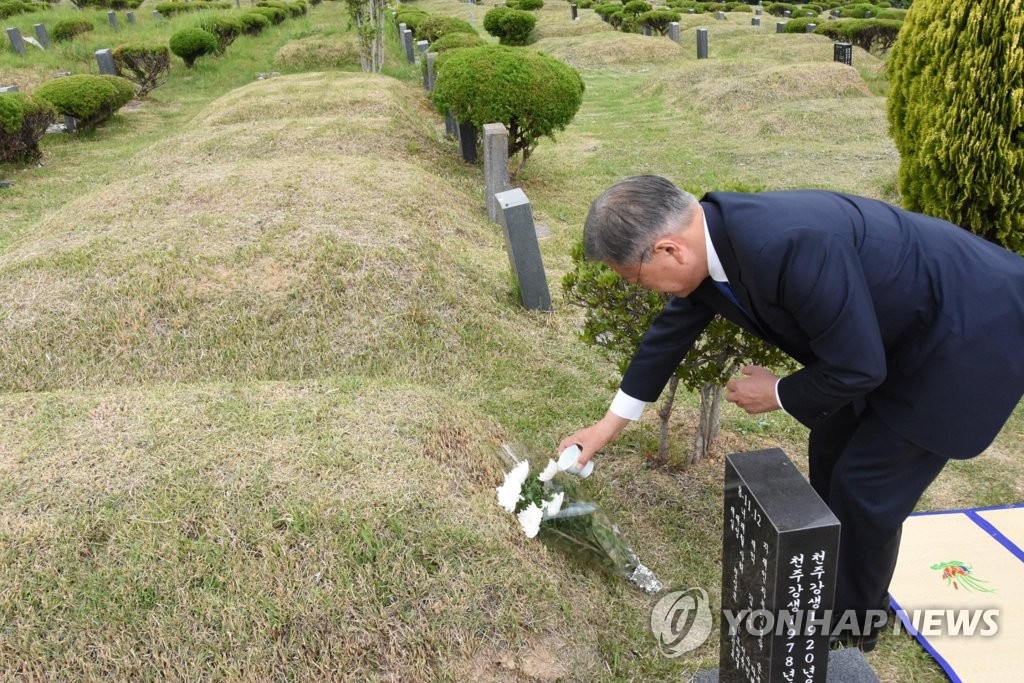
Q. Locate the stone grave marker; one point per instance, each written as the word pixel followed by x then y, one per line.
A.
pixel 843 53
pixel 702 43
pixel 105 60
pixel 495 166
pixel 720 16
pixel 787 14
pixel 8 88
pixel 779 548
pixel 42 35
pixel 755 21
pixel 757 10
pixel 16 42
pixel 574 11
pixel 810 28
pixel 467 141
pixel 157 16
pixel 131 17
pixel 112 19
pixel 646 30
pixel 780 543
pixel 673 31
pixel 810 14
pixel 780 27
pixel 431 58
pixel 523 250
pixel 421 48
pixel 407 42
pixel 867 14
pixel 691 11
pixel 451 127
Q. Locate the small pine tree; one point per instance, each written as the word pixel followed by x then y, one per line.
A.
pixel 956 114
pixel 617 316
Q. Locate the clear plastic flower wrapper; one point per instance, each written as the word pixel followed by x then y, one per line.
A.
pixel 546 503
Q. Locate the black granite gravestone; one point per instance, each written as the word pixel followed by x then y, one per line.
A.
pixel 842 53
pixel 780 543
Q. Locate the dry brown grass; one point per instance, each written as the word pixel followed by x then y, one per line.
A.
pixel 611 49
pixel 319 52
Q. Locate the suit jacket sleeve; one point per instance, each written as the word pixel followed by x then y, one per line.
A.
pixel 664 346
pixel 821 283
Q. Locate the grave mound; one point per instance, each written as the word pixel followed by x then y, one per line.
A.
pixel 319 52
pixel 606 49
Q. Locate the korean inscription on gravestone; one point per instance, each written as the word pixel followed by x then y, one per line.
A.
pixel 780 544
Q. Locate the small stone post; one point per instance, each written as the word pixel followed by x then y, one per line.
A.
pixel 523 250
pixel 467 141
pixel 8 88
pixel 673 31
pixel 157 16
pixel 755 21
pixel 810 28
pixel 42 36
pixel 16 42
pixel 495 166
pixel 574 11
pixel 431 56
pixel 787 14
pixel 112 18
pixel 407 42
pixel 720 16
pixel 780 27
pixel 131 17
pixel 105 60
pixel 702 43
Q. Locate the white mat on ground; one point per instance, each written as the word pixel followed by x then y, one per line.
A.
pixel 959 588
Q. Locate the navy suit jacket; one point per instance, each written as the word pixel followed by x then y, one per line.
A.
pixel 918 318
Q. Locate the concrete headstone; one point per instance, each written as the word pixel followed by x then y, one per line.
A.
pixel 42 35
pixel 702 43
pixel 105 60
pixel 495 166
pixel 673 31
pixel 16 42
pixel 112 20
pixel 523 250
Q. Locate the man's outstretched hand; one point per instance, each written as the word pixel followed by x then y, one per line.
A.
pixel 755 392
pixel 595 437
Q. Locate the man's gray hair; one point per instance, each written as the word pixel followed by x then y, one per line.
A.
pixel 626 220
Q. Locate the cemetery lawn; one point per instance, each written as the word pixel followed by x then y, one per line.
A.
pixel 259 348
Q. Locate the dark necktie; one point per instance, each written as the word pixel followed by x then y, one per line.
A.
pixel 725 289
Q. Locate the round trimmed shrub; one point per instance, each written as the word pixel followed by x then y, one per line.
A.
pixel 525 5
pixel 453 41
pixel 168 9
pixel 412 18
pixel 145 65
pixel 224 28
pixel 192 43
pixel 23 122
pixel 739 7
pixel 606 10
pixel 868 34
pixel 254 22
pixel 956 113
pixel 659 19
pixel 533 94
pixel 510 26
pixel 90 99
pixel 798 25
pixel 636 7
pixel 778 9
pixel 66 29
pixel 10 8
pixel 276 15
pixel 432 28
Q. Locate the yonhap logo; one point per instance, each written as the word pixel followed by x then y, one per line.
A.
pixel 681 621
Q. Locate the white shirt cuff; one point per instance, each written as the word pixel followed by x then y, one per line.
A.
pixel 777 399
pixel 627 407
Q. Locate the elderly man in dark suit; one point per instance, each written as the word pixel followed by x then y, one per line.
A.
pixel 910 331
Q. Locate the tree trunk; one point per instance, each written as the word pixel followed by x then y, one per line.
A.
pixel 710 421
pixel 665 412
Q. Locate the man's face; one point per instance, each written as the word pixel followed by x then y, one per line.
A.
pixel 675 266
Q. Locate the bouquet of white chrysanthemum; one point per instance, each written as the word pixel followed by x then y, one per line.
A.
pixel 539 503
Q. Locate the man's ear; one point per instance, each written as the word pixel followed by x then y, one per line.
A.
pixel 673 247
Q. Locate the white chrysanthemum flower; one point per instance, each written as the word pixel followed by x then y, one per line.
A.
pixel 551 507
pixel 519 473
pixel 509 494
pixel 530 518
pixel 549 472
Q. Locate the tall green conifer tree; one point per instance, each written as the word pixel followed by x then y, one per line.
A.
pixel 956 113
